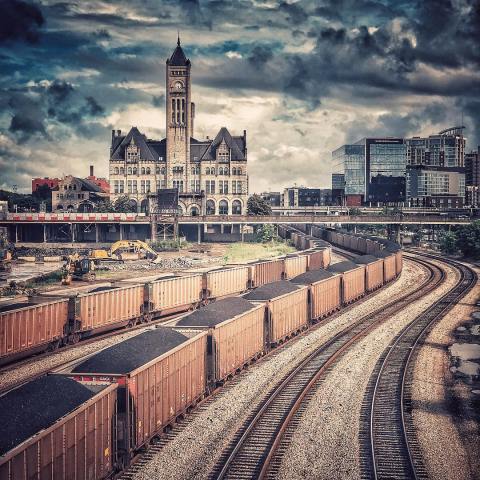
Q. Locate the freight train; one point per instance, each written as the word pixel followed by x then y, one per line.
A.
pixel 69 315
pixel 109 406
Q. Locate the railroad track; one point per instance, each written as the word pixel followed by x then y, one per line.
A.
pixel 390 449
pixel 256 449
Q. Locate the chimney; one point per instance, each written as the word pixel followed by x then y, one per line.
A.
pixel 91 170
pixel 119 132
pixel 113 135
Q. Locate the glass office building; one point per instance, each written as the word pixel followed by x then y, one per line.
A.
pixel 374 171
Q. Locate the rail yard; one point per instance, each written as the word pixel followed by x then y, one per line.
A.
pixel 241 371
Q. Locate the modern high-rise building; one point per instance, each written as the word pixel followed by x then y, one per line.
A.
pixel 435 169
pixel 373 170
pixel 210 175
pixel 472 179
pixel 306 197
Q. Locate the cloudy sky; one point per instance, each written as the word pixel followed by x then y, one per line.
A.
pixel 302 77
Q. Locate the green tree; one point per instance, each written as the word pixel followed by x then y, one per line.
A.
pixel 448 242
pixel 265 233
pixel 355 211
pixel 104 205
pixel 123 204
pixel 468 239
pixel 256 205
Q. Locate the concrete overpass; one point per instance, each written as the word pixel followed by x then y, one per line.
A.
pixel 110 227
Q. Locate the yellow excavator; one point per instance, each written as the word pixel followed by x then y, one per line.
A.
pixel 123 249
pixel 78 268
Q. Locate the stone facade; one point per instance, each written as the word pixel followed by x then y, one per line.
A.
pixel 76 195
pixel 211 175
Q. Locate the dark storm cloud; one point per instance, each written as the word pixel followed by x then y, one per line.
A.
pixel 33 107
pixel 20 21
pixel 93 60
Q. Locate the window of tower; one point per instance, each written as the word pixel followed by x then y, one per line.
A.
pixel 173 110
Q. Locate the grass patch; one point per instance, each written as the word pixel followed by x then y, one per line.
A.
pixel 243 252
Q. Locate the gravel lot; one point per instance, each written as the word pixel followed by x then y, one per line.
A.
pixel 445 441
pixel 325 445
pixel 193 451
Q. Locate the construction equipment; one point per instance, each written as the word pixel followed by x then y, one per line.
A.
pixel 78 268
pixel 126 250
pixel 5 253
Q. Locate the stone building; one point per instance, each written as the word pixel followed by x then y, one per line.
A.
pixel 75 194
pixel 210 175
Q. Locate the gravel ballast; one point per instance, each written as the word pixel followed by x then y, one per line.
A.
pixel 445 441
pixel 192 452
pixel 332 418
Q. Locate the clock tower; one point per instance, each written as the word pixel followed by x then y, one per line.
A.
pixel 179 121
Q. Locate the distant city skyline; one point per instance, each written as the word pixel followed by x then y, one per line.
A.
pixel 302 77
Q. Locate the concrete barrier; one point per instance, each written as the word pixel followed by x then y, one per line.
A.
pixel 52 259
pixel 27 259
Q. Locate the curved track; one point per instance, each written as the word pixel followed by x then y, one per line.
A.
pixel 251 452
pixel 393 450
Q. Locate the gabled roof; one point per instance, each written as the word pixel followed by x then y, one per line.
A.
pixel 89 186
pixel 178 58
pixel 146 153
pixel 235 144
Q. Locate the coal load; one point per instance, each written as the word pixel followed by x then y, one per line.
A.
pixel 364 259
pixel 127 356
pixel 14 306
pixel 216 312
pixel 342 267
pixel 383 254
pixel 36 406
pixel 271 290
pixel 101 289
pixel 312 276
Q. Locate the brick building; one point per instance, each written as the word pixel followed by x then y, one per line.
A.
pixel 51 183
pixel 76 195
pixel 210 175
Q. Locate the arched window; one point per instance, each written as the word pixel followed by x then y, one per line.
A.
pixel 236 207
pixel 143 170
pixel 239 171
pixel 157 170
pixel 223 207
pixel 225 171
pixel 194 211
pixel 212 171
pixel 210 207
pixel 163 170
pixel 115 170
pixel 147 171
pixel 134 170
pixel 122 171
pixel 234 171
pixel 207 171
pixel 220 171
pixel 129 170
pixel 144 206
pixel 59 207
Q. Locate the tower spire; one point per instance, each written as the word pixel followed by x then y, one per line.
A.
pixel 178 37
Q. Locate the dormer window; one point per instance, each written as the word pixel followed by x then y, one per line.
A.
pixel 132 152
pixel 223 152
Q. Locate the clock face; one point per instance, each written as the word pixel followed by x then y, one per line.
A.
pixel 178 85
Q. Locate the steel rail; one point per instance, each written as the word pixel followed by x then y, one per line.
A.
pixel 253 450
